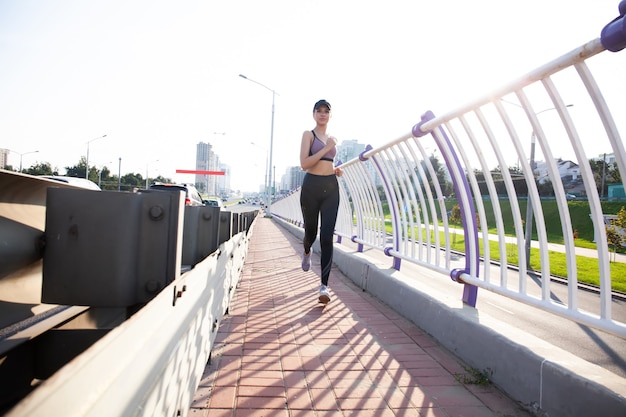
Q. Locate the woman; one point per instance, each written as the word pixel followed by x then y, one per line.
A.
pixel 319 195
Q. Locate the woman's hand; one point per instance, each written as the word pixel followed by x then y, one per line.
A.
pixel 338 171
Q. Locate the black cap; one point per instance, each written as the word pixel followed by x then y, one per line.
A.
pixel 320 104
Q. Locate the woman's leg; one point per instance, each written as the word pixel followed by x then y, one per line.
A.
pixel 309 203
pixel 328 210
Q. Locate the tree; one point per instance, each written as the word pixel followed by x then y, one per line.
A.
pixel 546 189
pixel 130 181
pixel 455 218
pixel 162 179
pixel 42 168
pixel 77 170
pixel 101 176
pixel 609 171
pixel 441 173
pixel 616 231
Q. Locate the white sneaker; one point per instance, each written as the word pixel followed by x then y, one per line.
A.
pixel 324 295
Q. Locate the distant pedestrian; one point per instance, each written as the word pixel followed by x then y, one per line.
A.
pixel 320 192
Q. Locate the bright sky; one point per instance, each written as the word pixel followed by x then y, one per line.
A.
pixel 157 77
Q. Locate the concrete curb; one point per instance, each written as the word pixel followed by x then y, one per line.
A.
pixel 543 377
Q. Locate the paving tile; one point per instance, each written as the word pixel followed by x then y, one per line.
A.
pixel 362 404
pixel 219 412
pixel 227 377
pixel 453 395
pixel 317 379
pixel 223 397
pixel 323 399
pixel 349 392
pixel 280 353
pixel 295 379
pixel 201 398
pixel 299 399
pixel 260 412
pixel 290 363
pixel 262 373
pixel 255 381
pixel 261 392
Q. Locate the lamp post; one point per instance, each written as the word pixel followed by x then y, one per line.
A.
pixel 266 178
pixel 147 165
pixel 603 175
pixel 274 94
pixel 529 207
pixel 119 174
pixel 22 156
pixel 87 159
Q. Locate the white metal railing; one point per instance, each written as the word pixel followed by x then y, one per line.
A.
pixel 561 107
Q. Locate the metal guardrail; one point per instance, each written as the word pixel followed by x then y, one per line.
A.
pixel 152 363
pixel 95 282
pixel 483 149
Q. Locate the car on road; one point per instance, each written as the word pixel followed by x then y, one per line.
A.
pixel 192 196
pixel 78 182
pixel 214 202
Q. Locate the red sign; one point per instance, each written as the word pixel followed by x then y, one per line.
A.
pixel 199 172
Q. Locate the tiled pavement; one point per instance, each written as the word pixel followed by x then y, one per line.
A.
pixel 280 353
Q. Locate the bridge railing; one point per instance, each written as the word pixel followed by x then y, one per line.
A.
pixel 393 197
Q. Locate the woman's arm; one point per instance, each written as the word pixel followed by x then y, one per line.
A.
pixel 305 146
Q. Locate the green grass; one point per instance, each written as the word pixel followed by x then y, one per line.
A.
pixel 579 214
pixel 587 268
pixel 475 377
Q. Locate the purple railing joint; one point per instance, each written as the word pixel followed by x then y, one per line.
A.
pixel 613 35
pixel 417 129
pixel 396 263
pixel 353 238
pixel 387 250
pixel 455 274
pixel 362 154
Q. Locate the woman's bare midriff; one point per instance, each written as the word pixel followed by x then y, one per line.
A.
pixel 322 168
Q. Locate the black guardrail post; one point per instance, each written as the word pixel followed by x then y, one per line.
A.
pixel 110 249
pixel 200 233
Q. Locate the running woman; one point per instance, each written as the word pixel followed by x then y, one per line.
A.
pixel 319 197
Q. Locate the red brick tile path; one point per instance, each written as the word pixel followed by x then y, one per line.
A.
pixel 280 353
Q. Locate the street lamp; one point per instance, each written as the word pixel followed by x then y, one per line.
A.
pixel 119 174
pixel 87 159
pixel 147 165
pixel 22 156
pixel 266 179
pixel 274 94
pixel 529 207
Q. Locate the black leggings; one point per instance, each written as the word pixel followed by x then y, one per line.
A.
pixel 319 197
